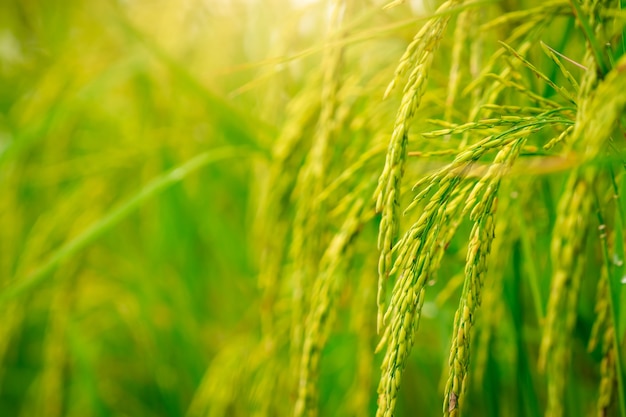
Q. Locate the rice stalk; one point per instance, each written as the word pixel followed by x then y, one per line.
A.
pixel 322 299
pixel 416 62
pixel 482 210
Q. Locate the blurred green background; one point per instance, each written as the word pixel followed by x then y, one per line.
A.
pixel 122 280
pixel 97 99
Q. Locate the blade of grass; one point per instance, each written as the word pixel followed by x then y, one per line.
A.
pixel 621 47
pixel 616 289
pixel 593 42
pixel 620 252
pixel 527 401
pixel 531 267
pixel 560 90
pixel 554 69
pixel 623 43
pixel 107 222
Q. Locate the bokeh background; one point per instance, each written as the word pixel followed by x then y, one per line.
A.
pixel 118 296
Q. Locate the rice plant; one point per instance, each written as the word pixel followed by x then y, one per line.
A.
pixel 333 208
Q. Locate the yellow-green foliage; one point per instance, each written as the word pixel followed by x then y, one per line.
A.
pixel 293 208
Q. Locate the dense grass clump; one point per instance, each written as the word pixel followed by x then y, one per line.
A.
pixel 272 208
